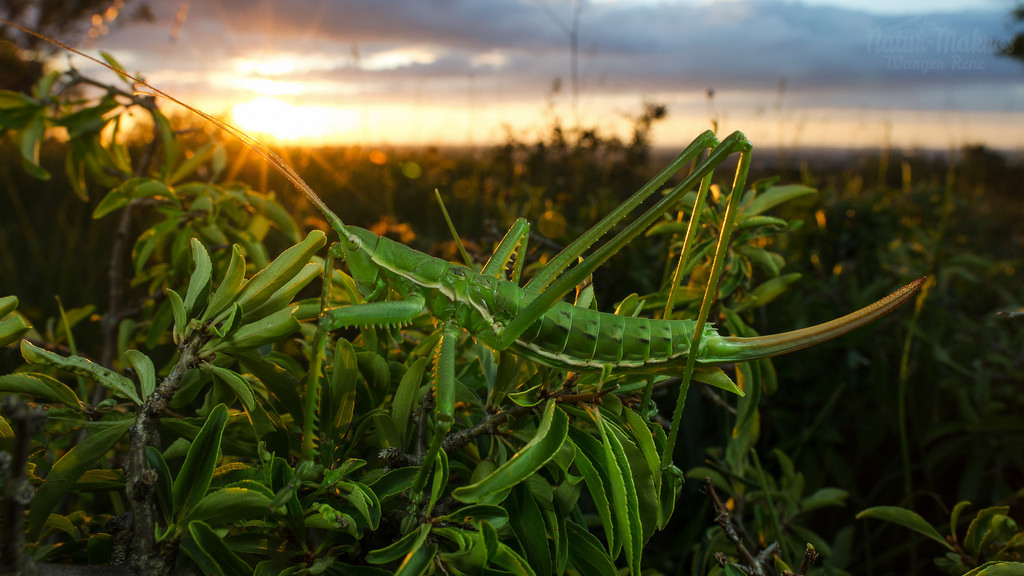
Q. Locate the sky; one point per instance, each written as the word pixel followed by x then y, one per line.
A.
pixel 836 73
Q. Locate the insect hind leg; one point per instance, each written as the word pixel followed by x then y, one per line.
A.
pixel 551 290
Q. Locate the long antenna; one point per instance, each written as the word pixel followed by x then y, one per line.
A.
pixel 252 143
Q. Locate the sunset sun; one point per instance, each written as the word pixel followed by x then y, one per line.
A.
pixel 286 122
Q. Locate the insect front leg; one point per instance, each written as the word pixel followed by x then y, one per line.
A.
pixel 386 314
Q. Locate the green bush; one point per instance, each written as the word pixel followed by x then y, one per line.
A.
pixel 208 422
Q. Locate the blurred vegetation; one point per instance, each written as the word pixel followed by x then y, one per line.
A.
pixel 24 57
pixel 921 410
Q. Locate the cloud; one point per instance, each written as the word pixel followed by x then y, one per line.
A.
pixel 395 49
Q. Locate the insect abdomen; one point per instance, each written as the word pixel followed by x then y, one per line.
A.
pixel 581 339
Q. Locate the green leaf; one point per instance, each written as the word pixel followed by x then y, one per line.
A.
pixel 277 214
pixel 587 554
pixel 624 494
pixel 229 505
pixel 191 163
pixel 402 547
pixel 984 528
pixel 595 484
pixel 17 110
pixel 164 484
pixel 528 525
pixel 954 518
pixel 180 316
pixel 96 479
pixel 439 479
pixel 168 139
pixel 66 471
pixel 197 472
pixel 745 223
pixel 284 295
pixel 418 562
pixel 643 482
pixel 286 502
pixel 671 485
pixel 8 304
pixel 507 559
pixel 490 537
pixel 12 329
pixel 215 553
pixel 89 121
pixel 109 58
pixel 41 386
pixel 64 524
pixel 715 376
pixel 766 292
pixel 228 289
pixel 551 434
pixel 261 421
pixel 732 570
pixel 199 283
pixel 267 281
pixel 31 139
pixel 641 434
pixel 405 398
pixel 238 385
pixel 774 196
pixel 109 379
pixel 268 330
pixel 394 482
pixel 824 497
pixel 905 518
pixel 344 377
pixel 998 569
pixel 365 501
pixel 494 516
pixel 471 550
pixel 342 568
pixel 144 369
pixel 114 200
pixel 529 397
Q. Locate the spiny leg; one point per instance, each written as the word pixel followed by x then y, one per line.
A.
pixel 387 313
pixel 684 253
pixel 312 393
pixel 444 403
pixel 728 222
pixel 512 246
pixel 576 249
pixel 556 289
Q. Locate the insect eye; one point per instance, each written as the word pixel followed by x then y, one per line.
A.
pixel 352 242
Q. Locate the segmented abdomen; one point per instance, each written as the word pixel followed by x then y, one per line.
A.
pixel 583 339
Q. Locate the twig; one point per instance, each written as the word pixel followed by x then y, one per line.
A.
pixel 489 425
pixel 717 400
pixel 725 522
pixel 139 478
pixel 810 557
pixel 18 491
pixel 395 458
pixel 420 417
